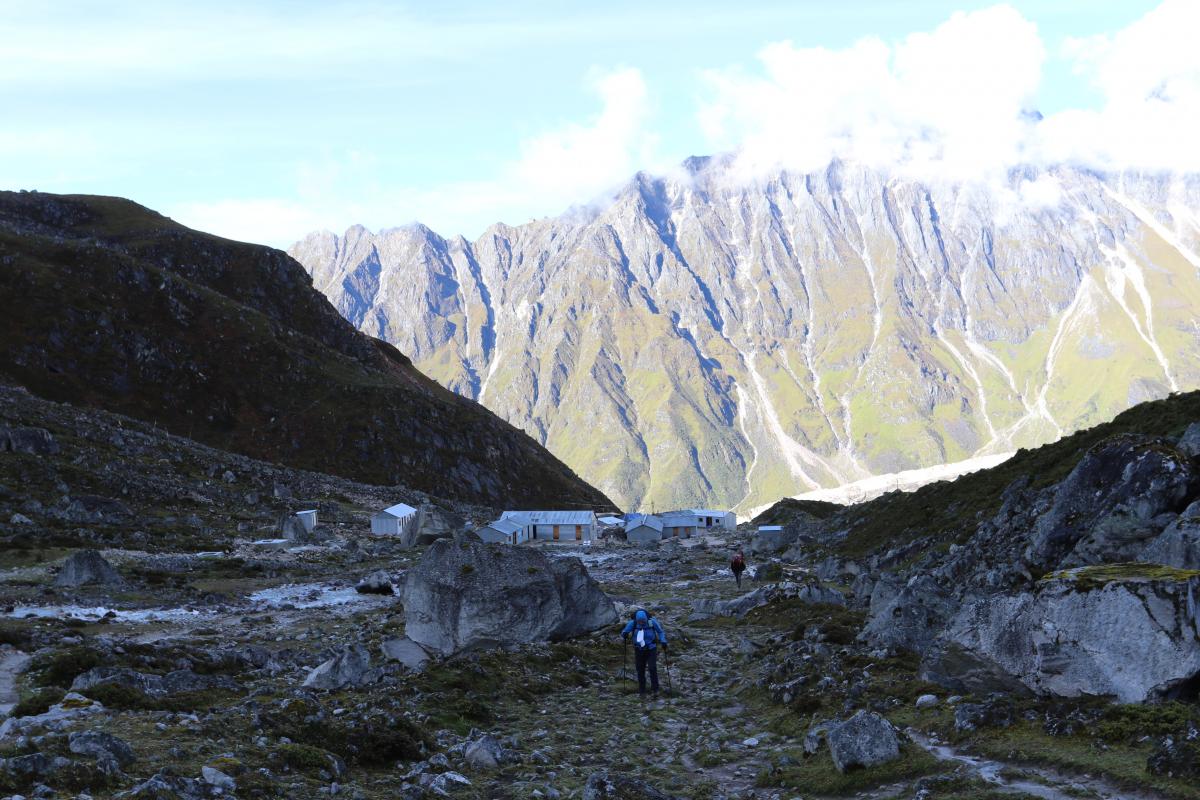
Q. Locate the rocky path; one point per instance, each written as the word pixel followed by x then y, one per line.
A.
pixel 12 663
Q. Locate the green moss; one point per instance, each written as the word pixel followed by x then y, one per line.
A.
pixel 38 702
pixel 61 667
pixel 304 757
pixel 1026 742
pixel 1096 577
pixel 817 775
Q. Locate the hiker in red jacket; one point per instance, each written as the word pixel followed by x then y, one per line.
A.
pixel 738 565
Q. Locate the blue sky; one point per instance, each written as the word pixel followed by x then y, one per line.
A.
pixel 264 121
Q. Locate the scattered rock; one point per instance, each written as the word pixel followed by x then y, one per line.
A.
pixel 32 441
pixel 608 786
pixel 214 777
pixel 350 667
pixel 181 680
pixel 101 746
pixel 411 655
pixel 864 740
pixel 994 713
pixel 378 582
pixel 1175 757
pixel 809 592
pixel 166 786
pixel 484 752
pixel 86 567
pixel 927 701
pixel 64 713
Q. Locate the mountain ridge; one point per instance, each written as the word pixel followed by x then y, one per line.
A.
pixel 731 343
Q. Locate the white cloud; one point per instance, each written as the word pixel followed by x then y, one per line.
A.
pixel 1149 75
pixel 956 102
pixel 949 102
pixel 577 162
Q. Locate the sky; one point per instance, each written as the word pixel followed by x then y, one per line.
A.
pixel 265 121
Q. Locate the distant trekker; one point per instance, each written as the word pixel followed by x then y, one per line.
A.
pixel 738 565
pixel 647 636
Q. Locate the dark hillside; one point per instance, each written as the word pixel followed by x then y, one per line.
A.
pixel 114 306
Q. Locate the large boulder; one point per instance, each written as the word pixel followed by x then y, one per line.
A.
pixel 1126 631
pixel 1120 495
pixel 864 740
pixel 1179 543
pixel 466 594
pixel 85 567
pixel 350 667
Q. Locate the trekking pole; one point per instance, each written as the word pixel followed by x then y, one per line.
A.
pixel 667 664
pixel 625 660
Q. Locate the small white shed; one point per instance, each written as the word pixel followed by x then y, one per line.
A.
pixel 714 519
pixel 641 529
pixel 308 519
pixel 611 522
pixel 398 520
pixel 504 531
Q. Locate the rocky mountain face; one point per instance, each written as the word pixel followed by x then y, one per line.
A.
pixel 112 306
pixel 706 340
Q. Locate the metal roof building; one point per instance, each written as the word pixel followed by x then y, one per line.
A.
pixel 557 526
pixel 641 528
pixel 505 531
pixel 682 524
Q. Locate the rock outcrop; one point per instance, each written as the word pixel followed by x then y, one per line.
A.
pixel 465 594
pixel 86 567
pixel 1179 543
pixel 1113 503
pixel 1129 632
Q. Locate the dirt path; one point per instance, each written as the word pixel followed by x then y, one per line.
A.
pixel 12 664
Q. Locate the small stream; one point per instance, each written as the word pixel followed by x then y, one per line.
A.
pixel 1057 786
pixel 299 596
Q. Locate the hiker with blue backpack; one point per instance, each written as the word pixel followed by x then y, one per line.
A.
pixel 647 635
